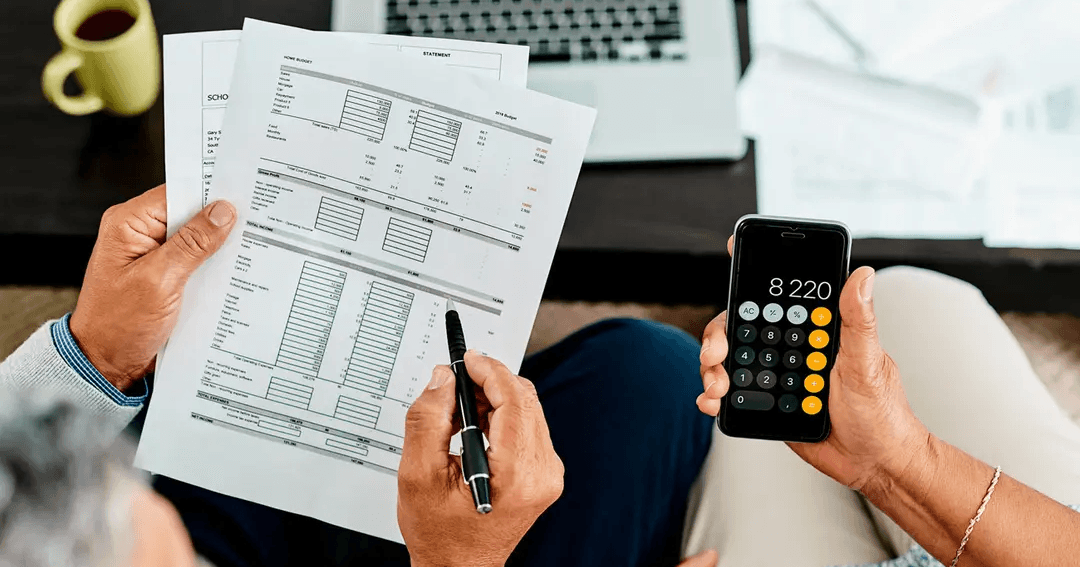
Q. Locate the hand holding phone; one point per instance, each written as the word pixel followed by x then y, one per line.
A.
pixel 871 422
pixel 783 317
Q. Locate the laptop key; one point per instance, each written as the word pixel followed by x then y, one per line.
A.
pixel 662 33
pixel 550 57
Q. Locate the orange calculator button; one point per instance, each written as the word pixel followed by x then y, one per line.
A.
pixel 815 361
pixel 821 316
pixel 814 383
pixel 819 339
pixel 811 405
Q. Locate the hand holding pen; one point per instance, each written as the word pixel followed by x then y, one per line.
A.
pixel 474 462
pixel 436 509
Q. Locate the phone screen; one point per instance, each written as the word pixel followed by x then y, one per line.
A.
pixel 783 327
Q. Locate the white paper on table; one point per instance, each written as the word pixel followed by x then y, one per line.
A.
pixel 998 48
pixel 1039 90
pixel 1033 182
pixel 890 160
pixel 794 180
pixel 198 69
pixel 906 39
pixel 972 47
pixel 1051 110
pixel 920 136
pixel 303 341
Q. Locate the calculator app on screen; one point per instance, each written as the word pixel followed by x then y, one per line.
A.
pixel 783 326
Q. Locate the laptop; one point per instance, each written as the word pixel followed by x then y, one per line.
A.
pixel 661 73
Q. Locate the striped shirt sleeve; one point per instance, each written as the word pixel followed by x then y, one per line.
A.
pixel 74 357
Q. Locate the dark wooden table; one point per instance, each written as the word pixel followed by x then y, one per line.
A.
pixel 643 232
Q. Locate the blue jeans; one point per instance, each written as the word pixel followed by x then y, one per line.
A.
pixel 619 400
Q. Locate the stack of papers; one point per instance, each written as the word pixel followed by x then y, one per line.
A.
pixel 885 158
pixel 374 178
pixel 918 118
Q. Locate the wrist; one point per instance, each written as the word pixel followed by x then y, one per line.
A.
pixel 907 471
pixel 100 357
pixel 415 561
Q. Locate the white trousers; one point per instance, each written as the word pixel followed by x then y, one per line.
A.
pixel 966 378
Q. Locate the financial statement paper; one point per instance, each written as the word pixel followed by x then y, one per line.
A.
pixel 198 69
pixel 370 187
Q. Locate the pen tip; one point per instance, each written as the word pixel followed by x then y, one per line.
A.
pixel 450 305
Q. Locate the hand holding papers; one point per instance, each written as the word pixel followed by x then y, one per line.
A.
pixel 370 186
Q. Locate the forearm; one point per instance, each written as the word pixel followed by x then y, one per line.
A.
pixel 935 496
pixel 45 365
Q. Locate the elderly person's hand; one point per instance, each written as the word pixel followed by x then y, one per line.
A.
pixel 131 293
pixel 436 513
pixel 873 428
pixel 929 488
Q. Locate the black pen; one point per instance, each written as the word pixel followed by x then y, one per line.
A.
pixel 474 462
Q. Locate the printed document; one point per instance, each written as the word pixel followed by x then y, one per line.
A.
pixel 370 186
pixel 199 67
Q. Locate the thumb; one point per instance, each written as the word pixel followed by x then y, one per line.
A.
pixel 197 240
pixel 858 324
pixel 429 424
pixel 706 558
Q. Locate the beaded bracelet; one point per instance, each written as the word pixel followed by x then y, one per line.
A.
pixel 978 515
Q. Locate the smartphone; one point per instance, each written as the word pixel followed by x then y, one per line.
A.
pixel 783 327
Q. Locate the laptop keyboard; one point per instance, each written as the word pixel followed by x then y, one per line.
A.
pixel 555 30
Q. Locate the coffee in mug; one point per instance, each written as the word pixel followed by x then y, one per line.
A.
pixel 103 25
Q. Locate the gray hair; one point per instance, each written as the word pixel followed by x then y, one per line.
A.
pixel 62 493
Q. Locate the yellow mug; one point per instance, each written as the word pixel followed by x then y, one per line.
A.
pixel 112 47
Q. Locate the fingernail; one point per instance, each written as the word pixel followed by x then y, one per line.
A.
pixel 222 213
pixel 704 345
pixel 866 291
pixel 439 377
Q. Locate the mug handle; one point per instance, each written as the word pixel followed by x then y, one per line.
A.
pixel 52 83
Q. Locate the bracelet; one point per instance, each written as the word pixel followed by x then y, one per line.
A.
pixel 978 515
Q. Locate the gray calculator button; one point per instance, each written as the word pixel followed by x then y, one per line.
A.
pixel 742 377
pixel 795 336
pixel 773 312
pixel 749 310
pixel 769 358
pixel 796 314
pixel 744 355
pixel 751 400
pixel 770 335
pixel 746 333
pixel 788 403
pixel 790 381
pixel 792 359
pixel 766 379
